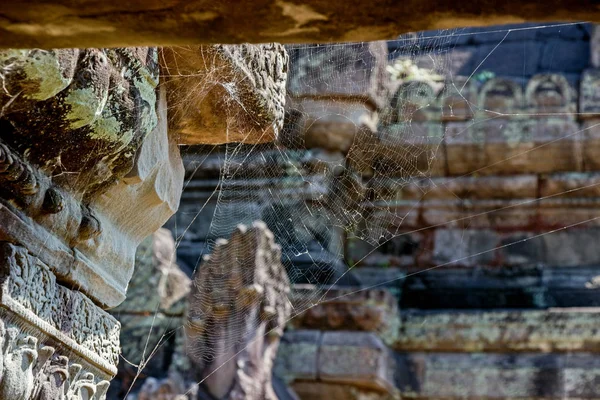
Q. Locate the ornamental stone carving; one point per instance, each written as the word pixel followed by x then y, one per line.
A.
pixel 237 312
pixel 221 94
pixel 88 169
pixel 55 343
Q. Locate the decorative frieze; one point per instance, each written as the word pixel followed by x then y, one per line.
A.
pixel 31 295
pixel 56 344
pixel 550 94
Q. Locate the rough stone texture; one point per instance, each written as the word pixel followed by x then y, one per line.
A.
pixel 273 186
pixel 476 188
pixel 87 170
pixel 237 312
pixel 356 71
pixel 37 24
pixel 221 94
pixel 549 93
pixel 348 309
pixel 56 343
pixel 102 173
pixel 517 285
pixel 591 135
pixel 499 376
pixel 87 116
pixel 359 360
pixel 552 330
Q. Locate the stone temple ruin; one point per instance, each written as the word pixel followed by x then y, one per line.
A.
pixel 91 169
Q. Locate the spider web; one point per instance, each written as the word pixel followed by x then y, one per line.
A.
pixel 319 185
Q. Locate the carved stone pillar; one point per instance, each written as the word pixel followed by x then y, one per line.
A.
pixel 55 342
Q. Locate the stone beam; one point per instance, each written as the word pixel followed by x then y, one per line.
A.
pixel 79 23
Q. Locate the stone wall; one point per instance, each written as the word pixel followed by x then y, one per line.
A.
pixel 499 180
pixel 502 314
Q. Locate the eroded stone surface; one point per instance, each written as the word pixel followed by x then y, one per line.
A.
pixel 87 158
pixel 123 24
pixel 237 312
pixel 56 343
pixel 357 359
pixel 222 94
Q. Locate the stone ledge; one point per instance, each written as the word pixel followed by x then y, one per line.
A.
pixel 498 376
pixel 552 330
pixel 111 24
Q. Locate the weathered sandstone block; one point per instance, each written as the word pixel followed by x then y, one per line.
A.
pixel 500 331
pixel 87 158
pixel 222 94
pixel 348 309
pixel 357 359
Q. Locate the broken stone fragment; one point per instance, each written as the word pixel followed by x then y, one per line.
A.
pixel 222 94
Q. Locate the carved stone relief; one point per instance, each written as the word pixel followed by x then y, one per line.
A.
pixel 54 342
pixel 83 135
pixel 88 169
